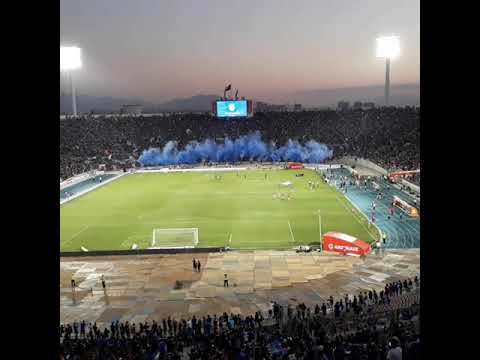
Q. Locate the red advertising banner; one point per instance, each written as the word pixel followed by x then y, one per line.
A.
pixel 294 165
pixel 345 244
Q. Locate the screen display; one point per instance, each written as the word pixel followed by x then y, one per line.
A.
pixel 232 108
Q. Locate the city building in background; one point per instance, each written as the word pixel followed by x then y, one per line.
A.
pixel 357 105
pixel 131 110
pixel 343 105
pixel 265 107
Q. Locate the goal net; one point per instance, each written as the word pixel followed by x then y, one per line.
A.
pixel 175 238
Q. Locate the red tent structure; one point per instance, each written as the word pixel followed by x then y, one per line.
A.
pixel 345 244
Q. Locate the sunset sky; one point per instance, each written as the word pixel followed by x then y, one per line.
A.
pixel 158 50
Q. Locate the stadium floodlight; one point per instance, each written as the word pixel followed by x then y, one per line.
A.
pixel 388 47
pixel 70 59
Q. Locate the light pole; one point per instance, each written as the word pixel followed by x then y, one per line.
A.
pixel 70 60
pixel 388 48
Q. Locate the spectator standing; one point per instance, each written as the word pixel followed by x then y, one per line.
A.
pixel 104 286
pixel 395 352
pixel 82 329
pixel 337 310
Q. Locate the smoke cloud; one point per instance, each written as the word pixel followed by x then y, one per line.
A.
pixel 245 148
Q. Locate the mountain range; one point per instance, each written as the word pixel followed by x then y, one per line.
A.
pixel 400 95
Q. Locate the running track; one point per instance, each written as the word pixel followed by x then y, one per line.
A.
pixel 401 233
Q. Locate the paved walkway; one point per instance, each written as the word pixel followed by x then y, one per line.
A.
pixel 142 288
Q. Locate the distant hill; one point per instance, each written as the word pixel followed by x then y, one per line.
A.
pixel 87 103
pixel 400 95
pixel 194 103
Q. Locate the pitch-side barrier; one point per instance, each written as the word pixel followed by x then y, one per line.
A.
pixel 103 183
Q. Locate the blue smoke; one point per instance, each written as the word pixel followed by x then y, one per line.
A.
pixel 245 148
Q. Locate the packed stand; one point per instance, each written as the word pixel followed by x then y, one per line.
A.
pixel 369 325
pixel 386 136
pixel 415 179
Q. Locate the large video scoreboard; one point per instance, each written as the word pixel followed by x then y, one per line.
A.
pixel 232 108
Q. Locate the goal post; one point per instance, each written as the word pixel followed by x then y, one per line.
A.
pixel 175 238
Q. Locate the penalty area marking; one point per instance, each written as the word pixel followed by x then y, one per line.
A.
pixel 230 239
pixel 291 232
pixel 76 234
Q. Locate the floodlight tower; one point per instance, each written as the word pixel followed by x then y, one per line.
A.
pixel 70 60
pixel 388 48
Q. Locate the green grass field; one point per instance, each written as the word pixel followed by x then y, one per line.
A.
pixel 127 211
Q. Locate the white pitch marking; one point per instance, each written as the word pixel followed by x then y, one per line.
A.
pixel 291 232
pixel 320 226
pixel 356 218
pixel 76 234
pixel 230 239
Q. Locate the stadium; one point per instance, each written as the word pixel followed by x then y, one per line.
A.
pixel 240 232
pixel 260 220
pixel 162 200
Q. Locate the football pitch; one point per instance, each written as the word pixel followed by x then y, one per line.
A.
pixel 241 210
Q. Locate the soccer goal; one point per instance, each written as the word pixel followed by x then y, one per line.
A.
pixel 175 238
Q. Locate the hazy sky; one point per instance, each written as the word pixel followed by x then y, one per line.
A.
pixel 157 50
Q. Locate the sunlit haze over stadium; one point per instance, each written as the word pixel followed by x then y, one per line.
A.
pixel 159 50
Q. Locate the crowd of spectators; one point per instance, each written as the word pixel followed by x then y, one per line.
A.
pixel 415 179
pixel 369 325
pixel 386 136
